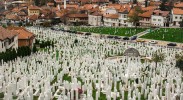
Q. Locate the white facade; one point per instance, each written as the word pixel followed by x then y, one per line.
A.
pixel 176 19
pixel 123 19
pixel 9 43
pixel 158 20
pixel 111 11
pixel 95 20
pixel 111 22
pixel 124 1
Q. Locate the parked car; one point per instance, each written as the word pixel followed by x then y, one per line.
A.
pixel 126 38
pixel 153 42
pixel 117 37
pixel 79 33
pixel 110 36
pixel 133 37
pixel 172 44
pixel 140 40
pixel 87 33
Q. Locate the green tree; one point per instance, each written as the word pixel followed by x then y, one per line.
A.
pixel 34 49
pixel 163 7
pixel 158 57
pixel 179 61
pixel 37 2
pixel 134 16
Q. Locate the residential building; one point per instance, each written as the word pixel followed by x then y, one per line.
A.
pixel 123 15
pixel 33 10
pixel 110 11
pixel 146 18
pixel 8 39
pixel 95 19
pixel 160 18
pixel 177 16
pixel 77 19
pixel 25 38
pixel 111 20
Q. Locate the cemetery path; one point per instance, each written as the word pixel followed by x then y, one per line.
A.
pixel 144 32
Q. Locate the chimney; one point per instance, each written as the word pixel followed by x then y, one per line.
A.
pixel 5 5
pixel 65 4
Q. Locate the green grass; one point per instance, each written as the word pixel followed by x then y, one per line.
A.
pixel 169 34
pixel 110 30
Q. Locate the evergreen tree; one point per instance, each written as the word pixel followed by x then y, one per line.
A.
pixel 34 49
pixel 37 3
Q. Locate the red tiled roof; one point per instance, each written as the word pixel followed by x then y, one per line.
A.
pixel 33 17
pixel 178 5
pixel 22 32
pixel 146 14
pixel 13 17
pixel 149 8
pixel 177 11
pixel 6 34
pixel 112 16
pixel 161 13
pixel 33 7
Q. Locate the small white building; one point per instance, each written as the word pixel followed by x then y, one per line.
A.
pixel 8 39
pixel 160 18
pixel 95 19
pixel 177 16
pixel 110 11
pixel 111 20
pixel 123 17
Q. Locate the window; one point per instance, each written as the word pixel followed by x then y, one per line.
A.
pixel 180 17
pixel 175 17
pixel 154 19
pixel 159 19
pixel 2 45
pixel 124 16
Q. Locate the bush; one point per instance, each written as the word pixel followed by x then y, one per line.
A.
pixel 34 49
pixel 12 54
pixel 179 64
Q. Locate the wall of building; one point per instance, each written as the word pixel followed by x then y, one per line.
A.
pixel 94 20
pixel 157 20
pixel 33 12
pixel 176 19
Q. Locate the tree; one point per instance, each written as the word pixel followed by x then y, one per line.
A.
pixel 34 49
pixel 37 3
pixel 158 57
pixel 181 26
pixel 134 16
pixel 179 61
pixel 163 7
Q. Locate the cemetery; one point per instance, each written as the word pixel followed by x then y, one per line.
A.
pixel 109 30
pixel 166 34
pixel 79 67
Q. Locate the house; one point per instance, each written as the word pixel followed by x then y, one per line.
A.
pixel 160 18
pixel 124 1
pixel 177 16
pixel 146 18
pixel 8 39
pixel 77 19
pixel 111 20
pixel 178 5
pixel 110 10
pixel 33 10
pixel 95 19
pixel 123 15
pixel 25 38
